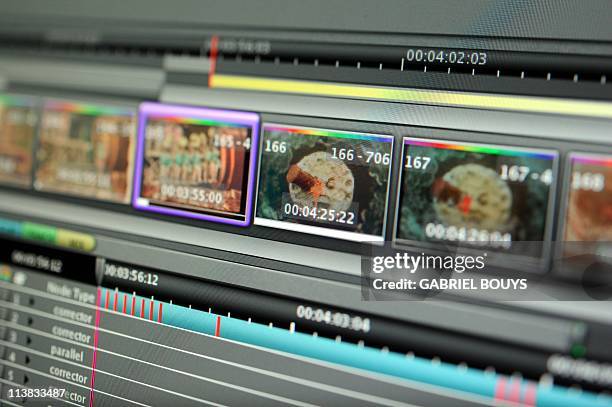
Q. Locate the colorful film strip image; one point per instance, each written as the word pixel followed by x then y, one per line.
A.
pixel 325 182
pixel 196 162
pixel 18 122
pixel 477 195
pixel 86 150
pixel 588 216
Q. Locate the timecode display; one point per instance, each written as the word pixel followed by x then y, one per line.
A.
pixel 131 274
pixel 446 56
pixel 333 318
pixel 319 214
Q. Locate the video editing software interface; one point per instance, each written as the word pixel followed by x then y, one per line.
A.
pixel 285 204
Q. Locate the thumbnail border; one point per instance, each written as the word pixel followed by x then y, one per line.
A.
pixel 522 262
pixel 601 159
pixel 321 230
pixel 228 116
pixel 91 107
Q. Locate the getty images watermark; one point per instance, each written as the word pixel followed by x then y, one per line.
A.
pixel 529 271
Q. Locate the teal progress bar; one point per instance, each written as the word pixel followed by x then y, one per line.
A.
pixel 491 385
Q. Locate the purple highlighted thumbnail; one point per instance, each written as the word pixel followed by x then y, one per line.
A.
pixel 196 162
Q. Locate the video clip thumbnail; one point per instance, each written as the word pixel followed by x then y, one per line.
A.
pixel 196 162
pixel 86 150
pixel 18 122
pixel 476 195
pixel 589 207
pixel 325 182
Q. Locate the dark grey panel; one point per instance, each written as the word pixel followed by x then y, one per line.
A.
pixel 550 19
pixel 460 317
pixel 118 80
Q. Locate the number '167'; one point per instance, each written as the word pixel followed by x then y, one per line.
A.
pixel 417 162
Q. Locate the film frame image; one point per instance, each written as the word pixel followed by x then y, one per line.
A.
pixel 325 182
pixel 476 195
pixel 19 117
pixel 86 149
pixel 196 162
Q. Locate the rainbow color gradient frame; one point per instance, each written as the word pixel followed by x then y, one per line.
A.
pixel 310 131
pixel 199 115
pixel 87 108
pixel 600 160
pixel 14 100
pixel 481 148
